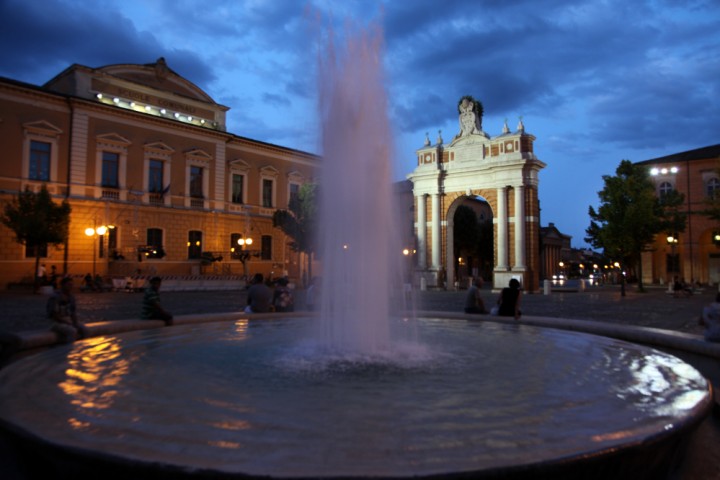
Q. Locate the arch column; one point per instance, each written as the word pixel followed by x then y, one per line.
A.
pixel 502 230
pixel 435 231
pixel 422 231
pixel 519 228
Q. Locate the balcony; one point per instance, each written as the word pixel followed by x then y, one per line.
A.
pixel 110 193
pixel 156 198
pixel 197 202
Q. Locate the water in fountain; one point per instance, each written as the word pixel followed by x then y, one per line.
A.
pixel 357 225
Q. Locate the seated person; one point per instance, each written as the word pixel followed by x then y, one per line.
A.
pixel 710 319
pixel 473 302
pixel 282 297
pixel 509 301
pixel 259 297
pixel 151 308
pixel 62 310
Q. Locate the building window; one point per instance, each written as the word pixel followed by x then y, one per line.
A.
pixel 155 176
pixel 238 186
pixel 194 244
pixel 113 243
pixel 665 188
pixel 234 247
pixel 196 182
pixel 294 192
pixel 39 161
pixel 155 243
pixel 713 187
pixel 267 192
pixel 266 247
pixel 110 163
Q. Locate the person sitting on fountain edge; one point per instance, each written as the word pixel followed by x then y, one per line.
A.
pixel 151 308
pixel 259 296
pixel 62 310
pixel 710 319
pixel 508 303
pixel 473 302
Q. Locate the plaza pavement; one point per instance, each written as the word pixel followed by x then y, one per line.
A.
pixel 22 311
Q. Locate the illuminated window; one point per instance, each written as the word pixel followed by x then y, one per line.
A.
pixel 194 244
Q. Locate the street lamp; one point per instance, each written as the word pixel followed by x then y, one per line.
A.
pixel 672 240
pixel 95 232
pixel 243 255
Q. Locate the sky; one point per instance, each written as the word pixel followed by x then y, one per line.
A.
pixel 595 81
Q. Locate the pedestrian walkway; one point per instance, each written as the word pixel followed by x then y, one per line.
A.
pixel 655 308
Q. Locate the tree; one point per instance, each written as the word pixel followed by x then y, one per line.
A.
pixel 37 221
pixel 630 215
pixel 299 222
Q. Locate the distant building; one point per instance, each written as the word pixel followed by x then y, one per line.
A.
pixel 144 152
pixel 695 253
pixel 554 249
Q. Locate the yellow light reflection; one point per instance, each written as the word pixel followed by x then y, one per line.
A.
pixel 95 369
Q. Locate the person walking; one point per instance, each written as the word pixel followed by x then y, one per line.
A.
pixel 151 307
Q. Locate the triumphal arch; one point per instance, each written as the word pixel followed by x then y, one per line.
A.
pixel 502 171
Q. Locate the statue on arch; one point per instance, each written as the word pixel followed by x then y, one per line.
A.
pixel 470 118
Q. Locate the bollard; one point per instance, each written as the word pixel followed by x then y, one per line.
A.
pixel 582 285
pixel 546 287
pixel 423 284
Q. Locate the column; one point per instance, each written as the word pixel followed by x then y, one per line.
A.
pixel 519 228
pixel 436 243
pixel 502 233
pixel 421 232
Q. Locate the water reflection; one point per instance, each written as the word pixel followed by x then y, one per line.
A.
pixel 95 369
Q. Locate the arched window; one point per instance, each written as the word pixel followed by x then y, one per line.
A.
pixel 665 188
pixel 713 187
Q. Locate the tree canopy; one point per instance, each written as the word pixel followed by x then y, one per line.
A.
pixel 299 221
pixel 36 220
pixel 631 214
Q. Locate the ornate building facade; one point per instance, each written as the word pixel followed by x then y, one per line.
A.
pixel 502 171
pixel 693 255
pixel 145 153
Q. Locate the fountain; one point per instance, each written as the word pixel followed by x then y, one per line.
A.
pixel 356 393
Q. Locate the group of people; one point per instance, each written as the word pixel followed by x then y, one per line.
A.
pixel 263 299
pixel 507 305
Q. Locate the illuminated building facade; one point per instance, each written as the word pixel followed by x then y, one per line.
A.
pixel 693 255
pixel 144 152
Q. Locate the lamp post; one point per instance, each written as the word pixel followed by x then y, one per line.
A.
pixel 95 232
pixel 243 255
pixel 672 240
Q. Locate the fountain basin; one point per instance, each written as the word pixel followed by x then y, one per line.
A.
pixel 260 398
